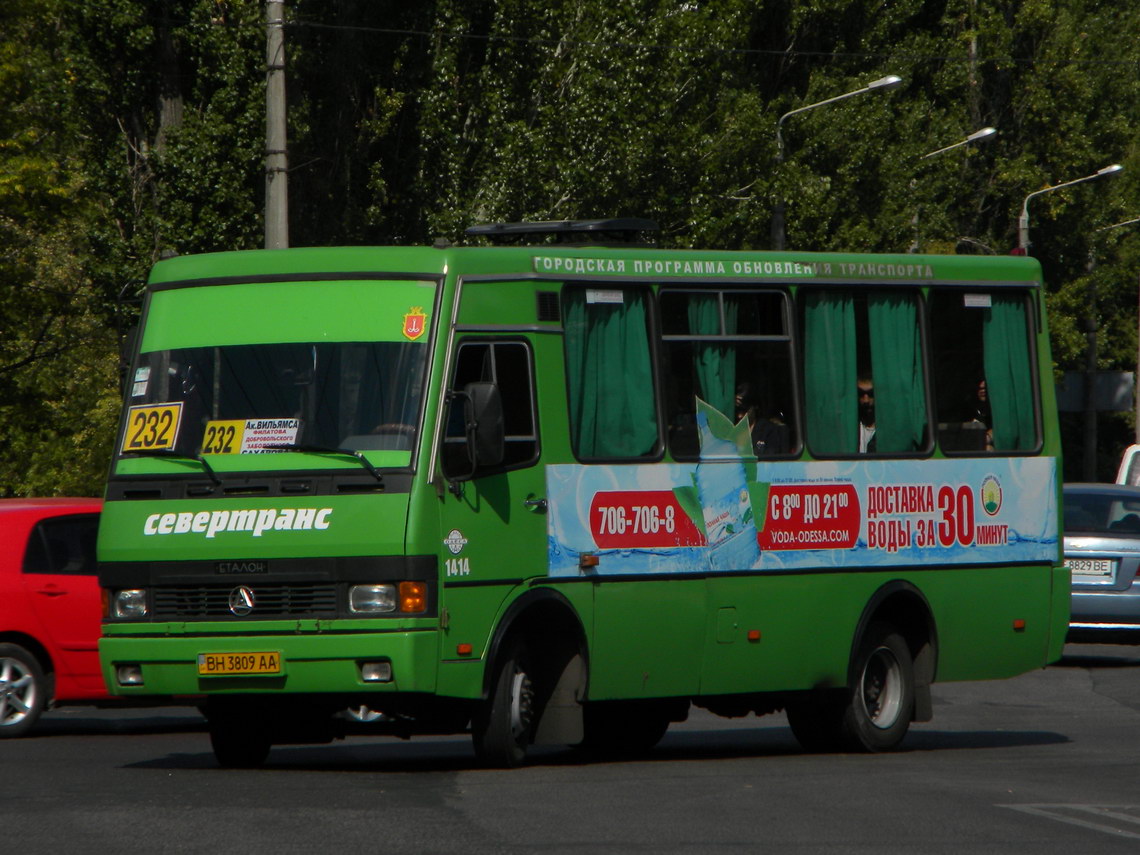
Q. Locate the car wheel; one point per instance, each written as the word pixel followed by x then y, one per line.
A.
pixel 23 690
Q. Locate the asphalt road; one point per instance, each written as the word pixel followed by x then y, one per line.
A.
pixel 1045 763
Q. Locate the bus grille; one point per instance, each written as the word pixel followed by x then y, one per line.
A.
pixel 204 602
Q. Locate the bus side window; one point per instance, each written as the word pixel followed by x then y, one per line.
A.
pixel 508 365
pixel 864 379
pixel 731 349
pixel 609 373
pixel 985 396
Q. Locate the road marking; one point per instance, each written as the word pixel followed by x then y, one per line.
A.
pixel 1072 814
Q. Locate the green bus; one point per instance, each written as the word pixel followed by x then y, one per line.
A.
pixel 559 486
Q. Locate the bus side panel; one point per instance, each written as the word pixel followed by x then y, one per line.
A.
pixel 1062 603
pixel 805 625
pixel 648 637
pixel 980 637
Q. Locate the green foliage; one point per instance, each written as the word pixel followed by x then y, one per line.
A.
pixel 133 127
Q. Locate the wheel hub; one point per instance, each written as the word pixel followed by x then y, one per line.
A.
pixel 881 688
pixel 16 693
pixel 522 703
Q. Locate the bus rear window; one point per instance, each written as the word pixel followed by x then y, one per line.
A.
pixel 983 371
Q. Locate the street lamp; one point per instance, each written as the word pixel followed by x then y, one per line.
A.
pixel 977 136
pixel 1023 220
pixel 883 84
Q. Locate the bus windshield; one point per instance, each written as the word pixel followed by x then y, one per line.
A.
pixel 249 398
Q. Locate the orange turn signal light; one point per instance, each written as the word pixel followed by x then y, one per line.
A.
pixel 463 649
pixel 753 635
pixel 413 597
pixel 588 559
pixel 1019 625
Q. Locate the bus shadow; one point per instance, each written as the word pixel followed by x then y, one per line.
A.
pixel 104 722
pixel 456 755
pixel 947 740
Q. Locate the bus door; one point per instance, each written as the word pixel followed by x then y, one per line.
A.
pixel 493 518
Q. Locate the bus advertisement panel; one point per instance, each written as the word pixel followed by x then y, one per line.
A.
pixel 800 515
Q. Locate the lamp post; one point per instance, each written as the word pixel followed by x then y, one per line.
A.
pixel 1023 220
pixel 883 84
pixel 977 136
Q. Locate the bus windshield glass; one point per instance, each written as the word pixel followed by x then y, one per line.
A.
pixel 242 399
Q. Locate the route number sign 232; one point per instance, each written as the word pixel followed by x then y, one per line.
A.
pixel 152 426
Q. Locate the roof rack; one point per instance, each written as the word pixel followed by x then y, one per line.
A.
pixel 618 230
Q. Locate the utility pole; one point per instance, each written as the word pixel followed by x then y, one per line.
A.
pixel 276 159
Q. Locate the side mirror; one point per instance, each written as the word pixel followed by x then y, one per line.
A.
pixel 483 415
pixel 483 432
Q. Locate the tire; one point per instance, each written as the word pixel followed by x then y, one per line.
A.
pixel 623 728
pixel 239 739
pixel 23 690
pixel 817 720
pixel 503 726
pixel 881 704
pixel 874 714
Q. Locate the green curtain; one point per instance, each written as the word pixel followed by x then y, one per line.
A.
pixel 896 368
pixel 1009 378
pixel 609 376
pixel 830 372
pixel 715 367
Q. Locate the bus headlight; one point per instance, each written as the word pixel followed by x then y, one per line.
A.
pixel 372 599
pixel 129 603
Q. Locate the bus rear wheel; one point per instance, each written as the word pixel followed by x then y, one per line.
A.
pixel 882 700
pixel 875 713
pixel 623 728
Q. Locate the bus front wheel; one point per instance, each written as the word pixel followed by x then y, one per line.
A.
pixel 503 727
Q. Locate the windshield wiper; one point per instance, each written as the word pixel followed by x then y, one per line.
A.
pixel 324 449
pixel 167 452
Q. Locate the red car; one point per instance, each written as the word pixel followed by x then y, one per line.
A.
pixel 50 608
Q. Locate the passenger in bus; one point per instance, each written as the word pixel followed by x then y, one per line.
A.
pixel 866 393
pixel 766 424
pixel 976 417
pixel 745 403
pixel 977 408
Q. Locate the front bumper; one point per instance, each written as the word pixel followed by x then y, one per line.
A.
pixel 327 663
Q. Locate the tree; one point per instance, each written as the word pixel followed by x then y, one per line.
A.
pixel 130 128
